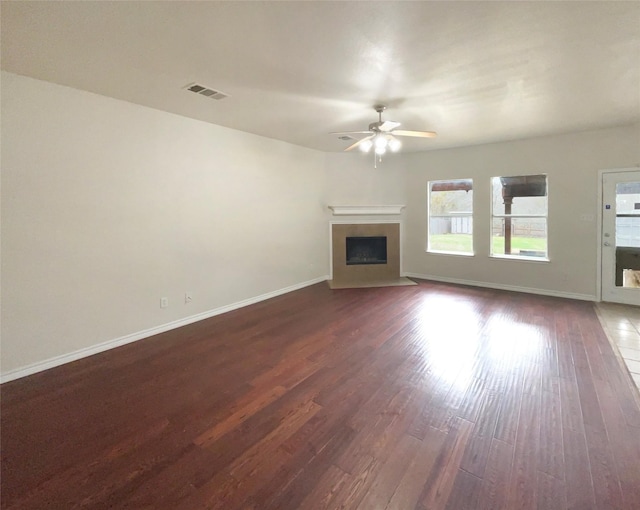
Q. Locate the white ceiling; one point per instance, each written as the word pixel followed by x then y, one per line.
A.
pixel 475 72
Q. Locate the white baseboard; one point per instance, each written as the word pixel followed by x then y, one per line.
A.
pixel 127 339
pixel 498 286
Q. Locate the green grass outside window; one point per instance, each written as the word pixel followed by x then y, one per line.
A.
pixel 463 243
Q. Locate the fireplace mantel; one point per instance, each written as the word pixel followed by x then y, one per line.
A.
pixel 366 210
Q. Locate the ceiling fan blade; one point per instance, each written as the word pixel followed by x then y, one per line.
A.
pixel 353 146
pixel 419 134
pixel 351 132
pixel 388 125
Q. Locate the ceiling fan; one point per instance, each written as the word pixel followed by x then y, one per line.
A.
pixel 382 135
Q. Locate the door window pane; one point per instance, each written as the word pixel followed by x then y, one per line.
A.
pixel 628 234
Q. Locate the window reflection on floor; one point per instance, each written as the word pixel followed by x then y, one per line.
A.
pixel 509 340
pixel 453 341
pixel 450 329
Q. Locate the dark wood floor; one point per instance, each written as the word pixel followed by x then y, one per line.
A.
pixel 424 397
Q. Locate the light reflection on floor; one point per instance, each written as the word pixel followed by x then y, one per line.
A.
pixel 454 341
pixel 511 340
pixel 450 329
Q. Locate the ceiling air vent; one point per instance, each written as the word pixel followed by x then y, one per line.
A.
pixel 205 91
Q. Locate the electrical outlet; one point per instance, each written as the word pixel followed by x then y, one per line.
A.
pixel 188 297
pixel 164 302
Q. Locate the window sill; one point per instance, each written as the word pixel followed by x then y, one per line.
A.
pixel 454 253
pixel 520 257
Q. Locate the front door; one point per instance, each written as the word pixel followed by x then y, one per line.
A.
pixel 621 237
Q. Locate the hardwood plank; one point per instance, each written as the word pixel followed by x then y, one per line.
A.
pixel 292 483
pixel 465 492
pixel 493 495
pixel 604 474
pixel 262 451
pixel 287 373
pixel 578 471
pixel 439 485
pixel 323 495
pixel 433 413
pixel 507 424
pixel 591 414
pixel 576 457
pixel 253 405
pixel 358 483
pixel 473 400
pixel 522 489
pixel 178 482
pixel 551 492
pixel 388 478
pixel 477 452
pixel 550 459
pixel 417 473
pixel 219 491
pixel 385 428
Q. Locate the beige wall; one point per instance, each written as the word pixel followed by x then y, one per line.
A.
pixel 108 206
pixel 352 179
pixel 571 161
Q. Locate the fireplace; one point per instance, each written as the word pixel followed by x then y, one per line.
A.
pixel 366 250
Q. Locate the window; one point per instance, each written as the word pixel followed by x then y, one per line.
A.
pixel 519 217
pixel 450 213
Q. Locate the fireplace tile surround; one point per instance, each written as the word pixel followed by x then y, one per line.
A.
pixel 344 274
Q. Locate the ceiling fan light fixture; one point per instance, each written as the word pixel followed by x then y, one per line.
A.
pixel 366 146
pixel 381 141
pixel 380 150
pixel 394 144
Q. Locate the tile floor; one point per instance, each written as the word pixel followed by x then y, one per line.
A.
pixel 622 325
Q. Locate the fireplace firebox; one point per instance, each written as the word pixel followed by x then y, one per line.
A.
pixel 366 250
